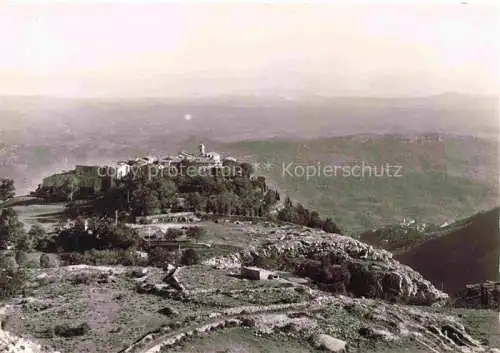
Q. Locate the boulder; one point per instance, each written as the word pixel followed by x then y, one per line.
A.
pixel 169 311
pixel 138 273
pixel 329 343
pixel 378 334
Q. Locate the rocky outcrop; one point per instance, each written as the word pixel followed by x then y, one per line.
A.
pixel 328 343
pixel 374 273
pixel 480 296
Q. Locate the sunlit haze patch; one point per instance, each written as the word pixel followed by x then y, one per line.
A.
pixel 286 49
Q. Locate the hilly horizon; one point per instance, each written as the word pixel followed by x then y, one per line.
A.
pixel 441 181
pixel 40 136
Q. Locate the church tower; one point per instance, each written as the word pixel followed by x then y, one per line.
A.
pixel 202 150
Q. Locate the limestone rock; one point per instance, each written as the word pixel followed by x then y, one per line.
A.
pixel 329 343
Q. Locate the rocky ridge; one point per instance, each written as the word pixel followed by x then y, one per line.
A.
pixel 401 281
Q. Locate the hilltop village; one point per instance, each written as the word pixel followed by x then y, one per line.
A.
pixel 94 179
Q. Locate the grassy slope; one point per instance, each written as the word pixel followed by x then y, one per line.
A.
pixel 467 254
pixel 441 181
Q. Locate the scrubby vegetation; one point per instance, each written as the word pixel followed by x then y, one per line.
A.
pixel 298 214
pixel 103 258
pixel 101 234
pixel 189 257
pixel 71 331
pixel 397 238
pixel 212 191
pixel 11 229
pixel 12 282
pixel 7 189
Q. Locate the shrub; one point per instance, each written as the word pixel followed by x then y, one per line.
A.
pixel 102 258
pixel 130 258
pixel 173 234
pixel 32 264
pixel 45 261
pixel 68 331
pixel 248 322
pixel 195 232
pixel 189 257
pixel 82 278
pixel 37 232
pixel 158 256
pixel 72 258
pixel 21 257
pixel 12 282
pixel 8 261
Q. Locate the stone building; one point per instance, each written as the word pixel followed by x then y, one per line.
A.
pixel 92 179
pixel 256 273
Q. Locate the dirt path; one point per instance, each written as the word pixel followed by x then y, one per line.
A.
pixel 170 338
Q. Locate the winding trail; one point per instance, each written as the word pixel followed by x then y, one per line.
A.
pixel 156 344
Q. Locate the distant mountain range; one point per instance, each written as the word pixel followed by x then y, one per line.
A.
pixel 40 136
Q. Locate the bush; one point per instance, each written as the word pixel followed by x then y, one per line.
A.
pixel 68 331
pixel 21 257
pixel 8 261
pixel 189 257
pixel 12 282
pixel 158 256
pixel 173 234
pixel 131 258
pixel 72 258
pixel 81 278
pixel 32 264
pixel 45 261
pixel 248 322
pixel 103 258
pixel 195 232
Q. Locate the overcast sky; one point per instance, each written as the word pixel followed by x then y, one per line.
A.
pixel 130 50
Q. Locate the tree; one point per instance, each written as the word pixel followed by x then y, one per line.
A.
pixel 7 189
pixel 330 227
pixel 102 234
pixel 158 256
pixel 189 257
pixel 24 242
pixel 45 261
pixel 270 199
pixel 71 187
pixel 314 220
pixel 172 233
pixel 12 282
pixel 31 239
pixel 145 201
pixel 195 232
pixel 21 257
pixel 8 261
pixel 194 201
pixel 10 227
pixel 167 193
pixel 247 169
pixel 261 183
